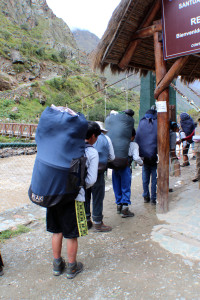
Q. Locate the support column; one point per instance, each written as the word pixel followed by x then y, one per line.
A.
pixel 163 131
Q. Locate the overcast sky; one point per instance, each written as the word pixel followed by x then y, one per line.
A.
pixel 92 15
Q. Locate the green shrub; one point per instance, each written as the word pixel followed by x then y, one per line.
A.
pixel 13 116
pixel 40 52
pixel 19 68
pixel 54 57
pixel 35 84
pixel 24 27
pixel 6 102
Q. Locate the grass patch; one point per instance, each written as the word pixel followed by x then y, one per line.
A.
pixel 7 234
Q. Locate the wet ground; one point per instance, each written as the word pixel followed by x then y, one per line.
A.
pixel 126 263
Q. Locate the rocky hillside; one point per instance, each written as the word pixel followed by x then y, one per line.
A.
pixel 35 44
pixel 35 16
pixel 85 40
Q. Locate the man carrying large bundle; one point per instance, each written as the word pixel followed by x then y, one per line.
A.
pixel 1 265
pixel 57 179
pixel 106 153
pixel 120 126
pixel 146 138
pixel 187 132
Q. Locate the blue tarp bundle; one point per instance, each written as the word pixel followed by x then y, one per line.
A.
pixel 60 138
pixel 146 135
pixel 187 123
pixel 119 128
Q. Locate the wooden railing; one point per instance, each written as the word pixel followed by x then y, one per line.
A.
pixel 18 130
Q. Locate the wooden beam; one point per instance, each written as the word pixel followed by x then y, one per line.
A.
pixel 163 131
pixel 147 31
pixel 133 45
pixel 171 74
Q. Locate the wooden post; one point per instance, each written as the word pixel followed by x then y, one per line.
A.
pixel 163 130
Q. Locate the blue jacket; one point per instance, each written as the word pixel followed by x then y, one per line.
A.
pixel 102 147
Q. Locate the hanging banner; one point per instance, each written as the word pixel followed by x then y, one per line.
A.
pixel 181 27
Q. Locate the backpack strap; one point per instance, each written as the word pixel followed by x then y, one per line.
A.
pixel 189 137
pixel 87 145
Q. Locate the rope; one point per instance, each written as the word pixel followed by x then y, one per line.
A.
pixel 191 102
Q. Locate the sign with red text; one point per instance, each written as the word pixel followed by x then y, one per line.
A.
pixel 181 27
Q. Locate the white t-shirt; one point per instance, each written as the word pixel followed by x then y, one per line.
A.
pixel 134 152
pixel 92 171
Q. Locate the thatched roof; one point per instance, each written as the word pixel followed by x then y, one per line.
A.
pixel 127 18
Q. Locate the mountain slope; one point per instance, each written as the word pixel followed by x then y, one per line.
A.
pixel 35 16
pixel 85 40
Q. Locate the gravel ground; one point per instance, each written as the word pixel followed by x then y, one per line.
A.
pixel 122 264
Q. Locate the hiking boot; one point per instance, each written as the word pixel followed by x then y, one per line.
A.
pixel 119 208
pixel 1 271
pixel 73 270
pixel 89 224
pixel 58 268
pixel 153 202
pixel 146 199
pixel 195 179
pixel 125 213
pixel 185 164
pixel 102 227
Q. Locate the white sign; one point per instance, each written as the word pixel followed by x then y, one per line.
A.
pixel 161 106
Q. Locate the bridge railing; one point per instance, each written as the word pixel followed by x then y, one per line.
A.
pixel 18 130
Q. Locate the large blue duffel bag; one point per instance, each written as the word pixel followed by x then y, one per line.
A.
pixel 187 123
pixel 120 128
pixel 60 139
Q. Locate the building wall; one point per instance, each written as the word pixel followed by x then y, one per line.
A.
pixel 148 84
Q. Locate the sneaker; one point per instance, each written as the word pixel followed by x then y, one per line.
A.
pixel 125 213
pixel 58 268
pixel 146 199
pixel 89 224
pixel 73 270
pixel 1 271
pixel 119 209
pixel 102 227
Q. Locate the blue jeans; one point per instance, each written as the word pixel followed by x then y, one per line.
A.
pixel 121 180
pixel 147 173
pixel 97 191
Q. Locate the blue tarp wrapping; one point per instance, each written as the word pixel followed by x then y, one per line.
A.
pixel 119 128
pixel 187 123
pixel 60 138
pixel 146 135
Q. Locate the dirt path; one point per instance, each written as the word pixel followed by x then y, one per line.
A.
pixel 122 264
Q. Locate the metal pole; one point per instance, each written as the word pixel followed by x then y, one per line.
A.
pixel 105 102
pixel 82 104
pixel 126 91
